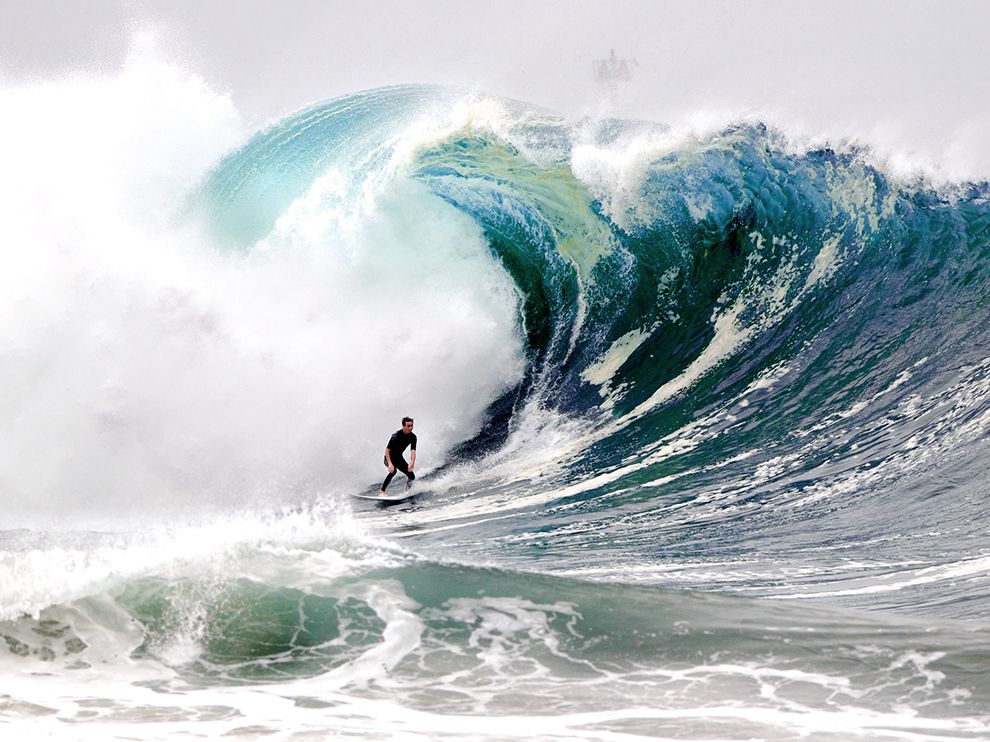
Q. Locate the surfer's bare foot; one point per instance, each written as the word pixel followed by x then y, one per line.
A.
pixel 381 493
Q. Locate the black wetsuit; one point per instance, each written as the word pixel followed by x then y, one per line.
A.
pixel 396 446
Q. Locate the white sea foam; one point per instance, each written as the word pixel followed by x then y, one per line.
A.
pixel 143 371
pixel 47 569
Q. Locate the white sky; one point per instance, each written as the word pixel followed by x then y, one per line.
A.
pixel 910 77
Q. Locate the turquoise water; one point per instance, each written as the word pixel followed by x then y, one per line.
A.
pixel 704 420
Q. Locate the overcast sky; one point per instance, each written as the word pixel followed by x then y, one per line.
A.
pixel 914 74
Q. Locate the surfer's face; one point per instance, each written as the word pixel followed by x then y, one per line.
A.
pixel 407 427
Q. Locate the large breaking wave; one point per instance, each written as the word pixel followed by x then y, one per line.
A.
pixel 715 360
pixel 732 343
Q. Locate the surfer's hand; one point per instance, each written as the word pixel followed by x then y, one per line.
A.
pixel 391 469
pixel 411 467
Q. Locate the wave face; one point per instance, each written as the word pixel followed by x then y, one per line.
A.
pixel 703 420
pixel 746 341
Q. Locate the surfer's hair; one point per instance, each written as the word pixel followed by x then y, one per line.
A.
pixel 406 420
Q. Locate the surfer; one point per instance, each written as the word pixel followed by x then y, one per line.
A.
pixel 393 454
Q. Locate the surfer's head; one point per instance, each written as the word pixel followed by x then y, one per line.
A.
pixel 407 424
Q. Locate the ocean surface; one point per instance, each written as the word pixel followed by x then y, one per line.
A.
pixel 702 423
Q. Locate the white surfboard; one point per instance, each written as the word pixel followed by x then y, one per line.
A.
pixel 388 499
